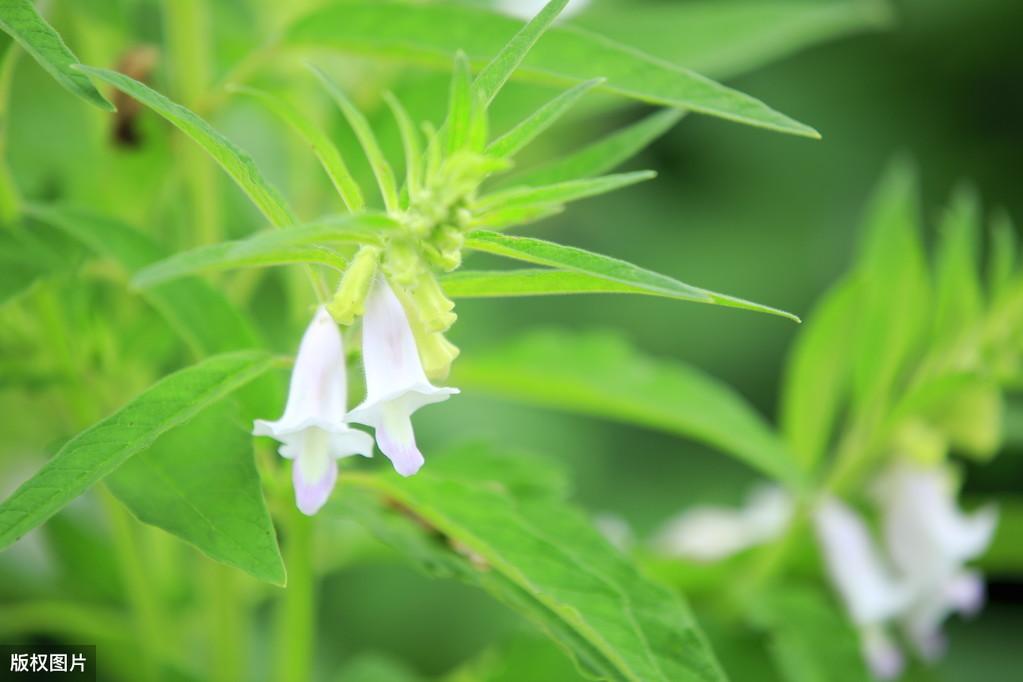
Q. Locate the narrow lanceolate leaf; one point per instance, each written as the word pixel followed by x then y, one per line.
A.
pixel 559 193
pixel 367 138
pixel 1001 256
pixel 958 296
pixel 460 104
pixel 206 320
pixel 604 155
pixel 299 244
pixel 430 34
pixel 324 149
pixel 536 123
pixel 507 60
pixel 570 258
pixel 411 144
pixel 98 451
pixel 235 162
pixel 199 482
pixel 22 21
pixel 531 282
pixel 819 372
pixel 600 375
pixel 541 557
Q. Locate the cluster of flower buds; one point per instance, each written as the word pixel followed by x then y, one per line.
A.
pixel 314 430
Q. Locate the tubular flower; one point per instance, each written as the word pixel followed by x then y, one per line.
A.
pixel 313 431
pixel 930 540
pixel 871 594
pixel 713 533
pixel 396 385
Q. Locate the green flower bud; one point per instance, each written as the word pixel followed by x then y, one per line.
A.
pixel 437 354
pixel 921 442
pixel 433 307
pixel 349 300
pixel 973 420
pixel 402 264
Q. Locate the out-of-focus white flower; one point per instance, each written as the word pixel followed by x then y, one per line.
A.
pixel 527 9
pixel 615 529
pixel 713 533
pixel 871 593
pixel 930 540
pixel 313 431
pixel 396 385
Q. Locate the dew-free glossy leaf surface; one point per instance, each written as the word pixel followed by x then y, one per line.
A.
pixel 199 482
pixel 602 376
pixel 99 450
pixel 22 21
pixel 298 244
pixel 431 34
pixel 234 161
pixel 542 557
pixel 542 252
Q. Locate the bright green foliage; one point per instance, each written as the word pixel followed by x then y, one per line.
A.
pixel 543 118
pixel 602 376
pixel 21 20
pixel 98 451
pixel 199 482
pixel 491 532
pixel 568 258
pixel 237 164
pixel 432 33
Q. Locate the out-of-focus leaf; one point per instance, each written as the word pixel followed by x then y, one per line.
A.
pixel 542 558
pixel 22 21
pixel 1005 555
pixel 558 193
pixel 298 244
pixel 1001 256
pixel 895 300
pixel 367 138
pixel 600 375
pixel 723 39
pixel 237 163
pixel 26 254
pixel 101 449
pixel 818 373
pixel 810 641
pixel 430 34
pixel 324 149
pixel 206 320
pixel 199 482
pixel 410 142
pixel 524 656
pixel 570 258
pixel 958 300
pixel 605 154
pixel 540 120
pixel 460 104
pixel 374 668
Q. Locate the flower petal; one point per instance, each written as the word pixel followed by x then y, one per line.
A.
pixel 398 442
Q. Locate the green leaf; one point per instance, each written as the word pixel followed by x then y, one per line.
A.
pixel 460 104
pixel 22 21
pixel 200 314
pixel 298 244
pixel 894 309
pixel 430 34
pixel 531 282
pixel 578 260
pixel 1002 255
pixel 958 298
pixel 364 132
pixel 324 149
pixel 374 668
pixel 724 39
pixel 99 450
pixel 541 557
pixel 560 193
pixel 606 154
pixel 818 373
pixel 497 72
pixel 237 163
pixel 540 120
pixel 199 482
pixel 810 641
pixel 601 376
pixel 410 143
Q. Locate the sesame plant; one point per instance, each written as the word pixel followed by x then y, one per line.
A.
pixel 155 319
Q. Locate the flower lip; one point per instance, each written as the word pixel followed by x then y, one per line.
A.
pixel 410 399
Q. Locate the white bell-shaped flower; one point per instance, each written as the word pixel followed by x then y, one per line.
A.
pixel 313 431
pixel 930 540
pixel 871 593
pixel 712 533
pixel 396 385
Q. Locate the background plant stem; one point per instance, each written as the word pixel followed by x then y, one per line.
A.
pixel 296 610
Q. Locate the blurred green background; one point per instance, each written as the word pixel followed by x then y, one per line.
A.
pixel 735 209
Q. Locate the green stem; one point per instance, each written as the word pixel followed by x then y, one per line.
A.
pixel 9 201
pixel 141 598
pixel 226 623
pixel 297 613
